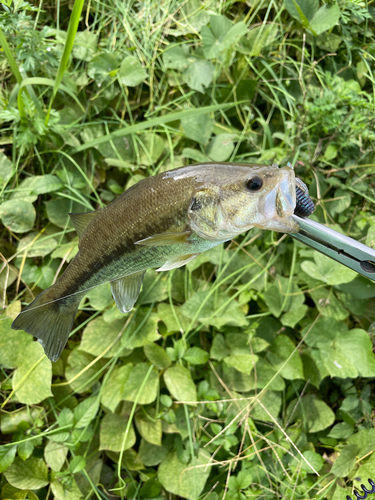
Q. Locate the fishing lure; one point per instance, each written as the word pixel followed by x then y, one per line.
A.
pixel 366 491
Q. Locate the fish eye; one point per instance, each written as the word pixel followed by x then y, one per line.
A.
pixel 254 183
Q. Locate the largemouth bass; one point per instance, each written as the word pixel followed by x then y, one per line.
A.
pixel 161 222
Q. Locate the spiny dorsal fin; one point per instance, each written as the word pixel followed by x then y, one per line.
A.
pixel 158 240
pixel 176 262
pixel 125 291
pixel 81 221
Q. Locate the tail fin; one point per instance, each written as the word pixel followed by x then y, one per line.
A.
pixel 49 320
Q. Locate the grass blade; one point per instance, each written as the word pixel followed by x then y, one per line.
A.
pixel 72 30
pixel 154 122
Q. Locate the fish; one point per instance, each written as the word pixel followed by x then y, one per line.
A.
pixel 162 222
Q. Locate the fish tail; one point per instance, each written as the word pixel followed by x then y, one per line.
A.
pixel 50 319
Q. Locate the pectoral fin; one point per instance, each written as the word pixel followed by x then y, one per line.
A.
pixel 158 240
pixel 176 262
pixel 125 290
pixel 81 221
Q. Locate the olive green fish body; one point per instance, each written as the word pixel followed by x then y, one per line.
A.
pixel 161 222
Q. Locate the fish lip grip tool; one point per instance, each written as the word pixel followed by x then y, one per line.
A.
pixel 337 246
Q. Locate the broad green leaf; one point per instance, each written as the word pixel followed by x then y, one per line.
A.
pixel 198 128
pixel 100 298
pixel 176 57
pixel 234 34
pixel 39 184
pixel 328 270
pixel 365 440
pixel 32 379
pixel 242 362
pixel 13 343
pixel 42 275
pixel 112 432
pixel 323 329
pixel 349 355
pixel 55 455
pixel 315 414
pixel 266 376
pixel 168 315
pixel 43 246
pixel 134 382
pixel 365 471
pixel 150 454
pixel 311 371
pixel 59 208
pixel 345 462
pixel 114 386
pixel 131 72
pixel 328 305
pixel 257 39
pixel 314 459
pixel 18 215
pixel 98 335
pixel 179 383
pixel 77 464
pixel 342 202
pixel 25 449
pixel 150 147
pixel 292 317
pixel 85 45
pixel 196 356
pixel 25 417
pixel 101 67
pixel 149 428
pixel 221 147
pixel 6 169
pixel 280 350
pixel 211 45
pixel 67 251
pixel 85 412
pixel 77 362
pixel 220 25
pixel 308 7
pixel 185 480
pixel 325 18
pixel 233 379
pixel 141 331
pixel 271 406
pixel 157 356
pixel 343 430
pixel 67 490
pixel 7 454
pixel 29 474
pixel 199 75
pixel 7 279
pixel 219 349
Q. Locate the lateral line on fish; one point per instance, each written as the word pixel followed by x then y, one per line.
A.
pixel 52 301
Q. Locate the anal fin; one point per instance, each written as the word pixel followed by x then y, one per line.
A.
pixel 176 262
pixel 125 290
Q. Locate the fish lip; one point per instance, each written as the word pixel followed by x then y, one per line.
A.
pixel 280 202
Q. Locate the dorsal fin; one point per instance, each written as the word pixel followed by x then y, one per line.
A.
pixel 81 221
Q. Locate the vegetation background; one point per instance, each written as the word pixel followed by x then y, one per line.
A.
pixel 272 339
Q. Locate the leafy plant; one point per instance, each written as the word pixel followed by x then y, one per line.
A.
pixel 248 372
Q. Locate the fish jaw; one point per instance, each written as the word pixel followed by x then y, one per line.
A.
pixel 278 205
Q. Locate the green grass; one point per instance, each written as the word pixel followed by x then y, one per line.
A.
pixel 273 340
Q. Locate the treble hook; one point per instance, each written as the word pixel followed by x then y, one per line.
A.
pixel 366 491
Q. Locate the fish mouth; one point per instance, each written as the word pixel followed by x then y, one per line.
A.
pixel 279 205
